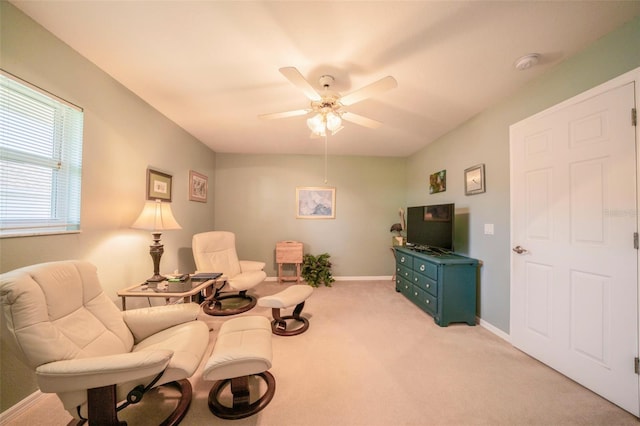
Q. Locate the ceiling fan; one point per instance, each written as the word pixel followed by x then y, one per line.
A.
pixel 327 106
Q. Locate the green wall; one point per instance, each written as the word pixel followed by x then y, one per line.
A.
pixel 256 199
pixel 122 137
pixel 485 139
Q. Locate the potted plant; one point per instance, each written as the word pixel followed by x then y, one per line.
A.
pixel 316 270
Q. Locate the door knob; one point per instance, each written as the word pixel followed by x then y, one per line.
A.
pixel 519 250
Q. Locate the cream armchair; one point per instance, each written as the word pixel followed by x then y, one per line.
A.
pixel 215 251
pixel 88 352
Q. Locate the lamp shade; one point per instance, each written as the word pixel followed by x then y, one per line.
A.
pixel 156 216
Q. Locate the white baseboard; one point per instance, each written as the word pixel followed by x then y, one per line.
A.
pixel 495 330
pixel 377 278
pixel 382 278
pixel 16 410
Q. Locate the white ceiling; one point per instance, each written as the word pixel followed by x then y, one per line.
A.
pixel 212 66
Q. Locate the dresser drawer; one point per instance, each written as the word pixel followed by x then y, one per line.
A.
pixel 404 287
pixel 404 260
pixel 426 283
pixel 424 299
pixel 426 268
pixel 405 273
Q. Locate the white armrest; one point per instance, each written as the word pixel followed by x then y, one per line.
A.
pixel 86 373
pixel 147 321
pixel 251 265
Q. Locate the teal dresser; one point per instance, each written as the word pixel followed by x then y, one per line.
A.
pixel 444 286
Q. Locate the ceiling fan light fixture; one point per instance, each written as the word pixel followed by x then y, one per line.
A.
pixel 334 122
pixel 316 124
pixel 326 105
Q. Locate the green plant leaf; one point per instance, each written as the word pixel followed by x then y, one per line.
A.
pixel 316 270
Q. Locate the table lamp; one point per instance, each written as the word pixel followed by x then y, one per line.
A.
pixel 156 216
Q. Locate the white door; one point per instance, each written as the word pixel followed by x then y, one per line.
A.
pixel 574 283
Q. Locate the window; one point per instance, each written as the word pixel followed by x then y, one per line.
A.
pixel 40 161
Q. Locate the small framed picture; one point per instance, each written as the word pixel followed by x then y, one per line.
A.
pixel 474 180
pixel 198 185
pixel 438 182
pixel 158 185
pixel 315 203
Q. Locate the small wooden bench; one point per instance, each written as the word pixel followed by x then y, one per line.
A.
pixel 289 252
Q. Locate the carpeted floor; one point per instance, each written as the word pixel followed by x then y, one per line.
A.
pixel 370 357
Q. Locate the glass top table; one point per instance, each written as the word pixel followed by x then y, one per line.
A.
pixel 185 290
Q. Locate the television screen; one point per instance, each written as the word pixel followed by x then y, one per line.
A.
pixel 431 227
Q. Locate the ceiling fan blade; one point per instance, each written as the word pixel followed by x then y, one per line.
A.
pixel 372 89
pixel 294 76
pixel 285 114
pixel 362 121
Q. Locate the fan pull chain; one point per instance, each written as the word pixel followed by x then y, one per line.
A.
pixel 325 156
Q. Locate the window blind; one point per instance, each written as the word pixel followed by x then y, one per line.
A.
pixel 40 160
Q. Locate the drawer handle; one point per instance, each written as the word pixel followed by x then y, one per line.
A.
pixel 422 267
pixel 402 259
pixel 415 294
pixel 428 285
pixel 406 274
pixel 406 286
pixel 415 279
pixel 428 301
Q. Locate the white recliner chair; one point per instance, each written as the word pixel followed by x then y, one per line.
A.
pixel 215 251
pixel 88 352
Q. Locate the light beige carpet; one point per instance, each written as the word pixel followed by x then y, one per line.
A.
pixel 370 357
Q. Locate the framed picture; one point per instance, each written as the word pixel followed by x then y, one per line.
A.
pixel 474 180
pixel 315 202
pixel 198 187
pixel 438 182
pixel 158 185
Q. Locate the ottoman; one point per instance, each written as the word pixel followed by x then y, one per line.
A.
pixel 242 349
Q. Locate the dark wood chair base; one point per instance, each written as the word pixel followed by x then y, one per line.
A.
pixel 102 406
pixel 279 327
pixel 279 323
pixel 242 406
pixel 213 306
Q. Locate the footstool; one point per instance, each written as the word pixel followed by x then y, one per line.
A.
pixel 293 295
pixel 242 349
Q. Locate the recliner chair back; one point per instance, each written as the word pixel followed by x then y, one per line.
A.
pixel 215 251
pixel 64 304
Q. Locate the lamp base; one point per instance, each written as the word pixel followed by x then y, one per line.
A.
pixel 156 278
pixel 155 250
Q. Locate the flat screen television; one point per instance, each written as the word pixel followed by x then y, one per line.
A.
pixel 431 227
